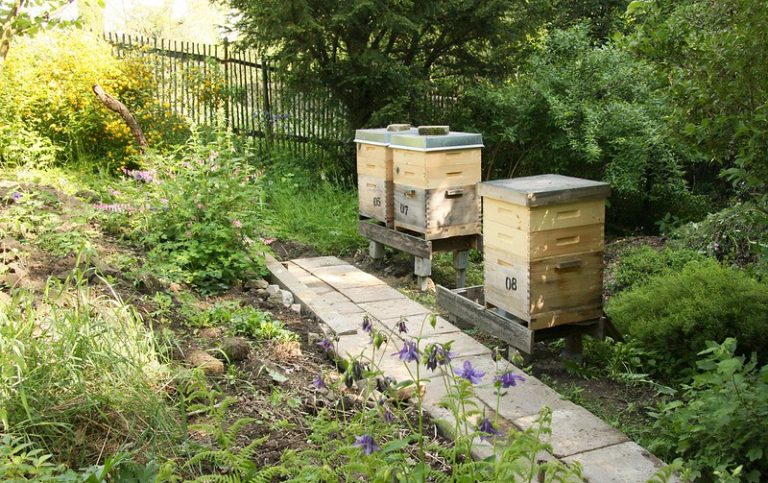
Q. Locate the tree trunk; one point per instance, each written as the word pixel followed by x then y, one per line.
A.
pixel 117 106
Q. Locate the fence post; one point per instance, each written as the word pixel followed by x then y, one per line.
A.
pixel 227 90
pixel 267 108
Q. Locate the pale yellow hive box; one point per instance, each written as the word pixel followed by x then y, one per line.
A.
pixel 543 242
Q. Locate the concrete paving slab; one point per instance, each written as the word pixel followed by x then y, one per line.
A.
pixel 374 293
pixel 620 463
pixel 419 324
pixel 318 286
pixel 335 297
pixel 316 262
pixel 576 430
pixel 341 324
pixel 348 308
pixel 346 276
pixel 393 309
pixel 461 344
pixel 297 271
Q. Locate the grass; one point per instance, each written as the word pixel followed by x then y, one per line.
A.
pixel 322 215
pixel 81 376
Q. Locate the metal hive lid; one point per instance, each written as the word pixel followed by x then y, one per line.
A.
pixel 380 136
pixel 452 140
pixel 545 189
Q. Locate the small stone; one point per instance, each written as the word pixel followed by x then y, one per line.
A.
pixel 255 284
pixel 211 332
pixel 313 338
pixel 209 364
pixel 262 284
pixel 235 349
pixel 296 308
pixel 286 298
pixel 262 294
pixel 273 289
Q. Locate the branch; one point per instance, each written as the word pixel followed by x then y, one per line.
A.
pixel 117 106
pixel 7 32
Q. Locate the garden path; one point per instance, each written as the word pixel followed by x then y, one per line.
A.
pixel 339 294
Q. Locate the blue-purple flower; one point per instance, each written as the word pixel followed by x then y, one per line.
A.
pixel 470 373
pixel 367 444
pixel 509 379
pixel 401 327
pixel 325 344
pixel 487 429
pixel 318 382
pixel 367 324
pixel 409 352
pixel 437 355
pixel 16 196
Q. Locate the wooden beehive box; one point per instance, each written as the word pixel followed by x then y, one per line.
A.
pixel 543 248
pixel 374 172
pixel 435 184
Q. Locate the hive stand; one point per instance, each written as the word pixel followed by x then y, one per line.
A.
pixel 421 249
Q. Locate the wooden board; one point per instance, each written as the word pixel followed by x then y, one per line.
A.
pixel 541 218
pixel 436 169
pixel 437 213
pixel 561 317
pixel 507 282
pixel 402 241
pixel 510 331
pixel 374 161
pixel 375 198
pixel 542 244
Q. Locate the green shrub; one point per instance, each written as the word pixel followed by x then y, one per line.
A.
pixel 738 234
pixel 639 265
pixel 676 313
pixel 202 228
pixel 719 426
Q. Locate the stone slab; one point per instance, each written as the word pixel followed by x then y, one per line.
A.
pixel 620 463
pixel 346 276
pixel 462 345
pixel 419 325
pixel 297 271
pixel 348 308
pixel 576 430
pixel 335 297
pixel 316 262
pixel 371 294
pixel 389 309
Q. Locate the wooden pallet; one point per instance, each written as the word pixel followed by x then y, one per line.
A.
pixel 422 249
pixel 468 306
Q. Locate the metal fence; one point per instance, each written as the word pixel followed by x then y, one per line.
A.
pixel 198 81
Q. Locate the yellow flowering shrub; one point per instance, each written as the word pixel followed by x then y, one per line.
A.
pixel 47 84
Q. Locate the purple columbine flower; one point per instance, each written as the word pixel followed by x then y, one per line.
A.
pixel 318 382
pixel 16 196
pixel 367 443
pixel 509 379
pixel 401 327
pixel 325 344
pixel 409 352
pixel 367 324
pixel 437 355
pixel 470 374
pixel 487 429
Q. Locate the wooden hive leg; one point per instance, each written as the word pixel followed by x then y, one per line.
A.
pixel 376 250
pixel 461 263
pixel 422 267
pixel 574 348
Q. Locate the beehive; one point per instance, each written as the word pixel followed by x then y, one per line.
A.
pixel 543 248
pixel 435 183
pixel 374 171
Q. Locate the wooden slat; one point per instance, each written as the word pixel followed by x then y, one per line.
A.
pixel 402 241
pixel 511 332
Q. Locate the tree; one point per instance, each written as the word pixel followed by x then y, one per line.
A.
pixel 376 56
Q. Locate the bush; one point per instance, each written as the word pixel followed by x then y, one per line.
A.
pixel 720 424
pixel 589 111
pixel 677 312
pixel 202 229
pixel 47 82
pixel 639 265
pixel 737 234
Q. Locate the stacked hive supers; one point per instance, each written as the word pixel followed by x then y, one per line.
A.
pixel 374 171
pixel 435 183
pixel 543 248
